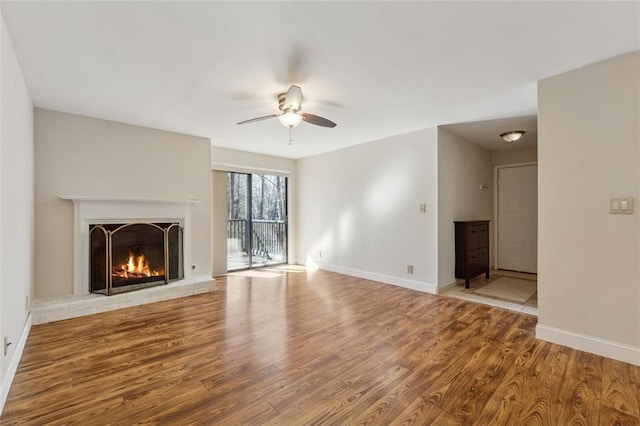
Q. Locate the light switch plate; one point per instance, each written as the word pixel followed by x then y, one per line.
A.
pixel 621 205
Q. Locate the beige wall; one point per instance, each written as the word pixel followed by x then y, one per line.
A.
pixel 589 260
pixel 462 168
pixel 76 155
pixel 16 208
pixel 515 156
pixel 359 210
pixel 230 160
pixel 219 221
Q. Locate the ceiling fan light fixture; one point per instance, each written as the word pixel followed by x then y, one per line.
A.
pixel 512 136
pixel 290 119
pixel 290 103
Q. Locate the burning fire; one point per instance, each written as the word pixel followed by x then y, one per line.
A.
pixel 136 267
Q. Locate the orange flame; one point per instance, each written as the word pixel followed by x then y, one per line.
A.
pixel 136 267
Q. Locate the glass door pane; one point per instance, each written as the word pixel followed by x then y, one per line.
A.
pixel 256 220
pixel 268 219
pixel 238 232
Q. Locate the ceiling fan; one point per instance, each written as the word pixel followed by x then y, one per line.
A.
pixel 290 103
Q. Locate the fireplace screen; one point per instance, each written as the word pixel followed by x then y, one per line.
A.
pixel 131 256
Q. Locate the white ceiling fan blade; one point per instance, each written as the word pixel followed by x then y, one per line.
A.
pixel 293 97
pixel 317 120
pixel 253 120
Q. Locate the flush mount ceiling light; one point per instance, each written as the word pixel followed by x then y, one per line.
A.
pixel 512 136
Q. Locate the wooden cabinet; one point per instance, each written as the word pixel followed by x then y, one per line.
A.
pixel 472 249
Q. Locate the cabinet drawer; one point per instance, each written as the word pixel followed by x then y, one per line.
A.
pixel 477 236
pixel 478 260
pixel 479 255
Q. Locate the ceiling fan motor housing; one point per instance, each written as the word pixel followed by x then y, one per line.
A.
pixel 282 103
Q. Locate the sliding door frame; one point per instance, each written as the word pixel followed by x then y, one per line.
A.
pixel 250 219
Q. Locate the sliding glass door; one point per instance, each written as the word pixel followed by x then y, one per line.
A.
pixel 257 220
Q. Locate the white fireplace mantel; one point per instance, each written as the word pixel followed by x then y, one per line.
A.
pixel 83 198
pixel 90 210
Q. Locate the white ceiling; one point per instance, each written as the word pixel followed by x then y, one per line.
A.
pixel 376 68
pixel 487 133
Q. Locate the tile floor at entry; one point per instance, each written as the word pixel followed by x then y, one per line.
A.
pixel 505 301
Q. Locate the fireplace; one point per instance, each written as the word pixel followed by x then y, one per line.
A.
pixel 130 256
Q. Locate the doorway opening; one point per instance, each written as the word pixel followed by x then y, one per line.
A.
pixel 256 220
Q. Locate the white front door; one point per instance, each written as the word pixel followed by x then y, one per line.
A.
pixel 518 218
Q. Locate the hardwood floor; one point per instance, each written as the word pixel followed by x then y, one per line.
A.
pixel 275 347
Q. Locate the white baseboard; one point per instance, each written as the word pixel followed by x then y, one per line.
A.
pixel 446 287
pixel 373 276
pixel 13 364
pixel 594 345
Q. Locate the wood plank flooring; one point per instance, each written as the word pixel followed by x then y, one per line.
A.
pixel 291 347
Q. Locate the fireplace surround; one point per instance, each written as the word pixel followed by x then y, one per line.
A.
pixel 90 211
pixel 96 210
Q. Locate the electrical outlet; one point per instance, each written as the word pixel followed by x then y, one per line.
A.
pixel 26 305
pixel 621 205
pixel 319 253
pixel 423 208
pixel 409 269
